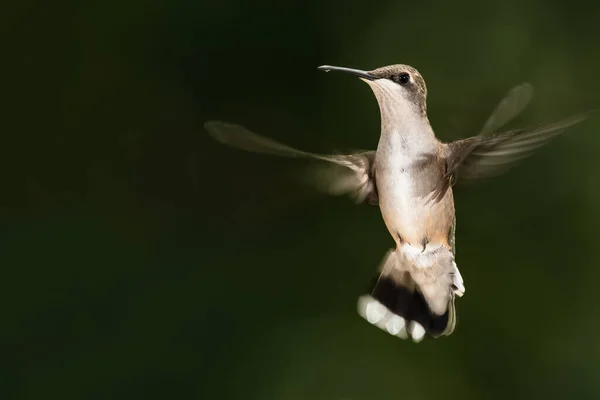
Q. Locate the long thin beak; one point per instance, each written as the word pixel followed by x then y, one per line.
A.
pixel 357 72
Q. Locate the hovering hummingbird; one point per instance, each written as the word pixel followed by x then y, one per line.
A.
pixel 410 177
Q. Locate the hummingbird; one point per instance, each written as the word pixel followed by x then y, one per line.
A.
pixel 410 177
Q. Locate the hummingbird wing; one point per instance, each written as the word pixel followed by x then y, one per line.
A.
pixel 343 174
pixel 485 156
pixel 513 103
pixel 491 153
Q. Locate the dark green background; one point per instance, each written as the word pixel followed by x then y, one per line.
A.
pixel 142 260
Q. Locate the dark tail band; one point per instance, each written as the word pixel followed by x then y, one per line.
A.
pixel 410 304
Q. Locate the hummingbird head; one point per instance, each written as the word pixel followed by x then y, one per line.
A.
pixel 395 86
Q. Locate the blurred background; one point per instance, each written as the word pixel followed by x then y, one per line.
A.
pixel 143 260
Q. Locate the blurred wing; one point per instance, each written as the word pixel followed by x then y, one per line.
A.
pixel 511 105
pixel 343 174
pixel 462 114
pixel 480 157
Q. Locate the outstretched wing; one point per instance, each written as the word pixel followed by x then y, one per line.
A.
pixel 491 153
pixel 485 156
pixel 341 174
pixel 513 103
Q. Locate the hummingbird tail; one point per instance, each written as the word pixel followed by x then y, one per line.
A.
pixel 397 305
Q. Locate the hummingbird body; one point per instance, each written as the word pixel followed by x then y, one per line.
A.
pixel 404 180
pixel 423 257
pixel 408 166
pixel 410 177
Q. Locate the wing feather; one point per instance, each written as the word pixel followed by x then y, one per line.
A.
pixel 343 174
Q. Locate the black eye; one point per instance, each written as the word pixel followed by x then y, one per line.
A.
pixel 401 79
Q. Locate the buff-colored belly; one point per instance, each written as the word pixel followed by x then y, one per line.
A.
pixel 410 218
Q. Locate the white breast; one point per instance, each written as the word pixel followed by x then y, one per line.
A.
pixel 402 209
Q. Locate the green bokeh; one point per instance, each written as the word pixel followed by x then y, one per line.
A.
pixel 143 260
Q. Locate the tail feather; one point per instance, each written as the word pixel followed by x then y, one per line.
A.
pixel 397 304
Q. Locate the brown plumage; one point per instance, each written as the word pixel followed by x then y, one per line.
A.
pixel 417 87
